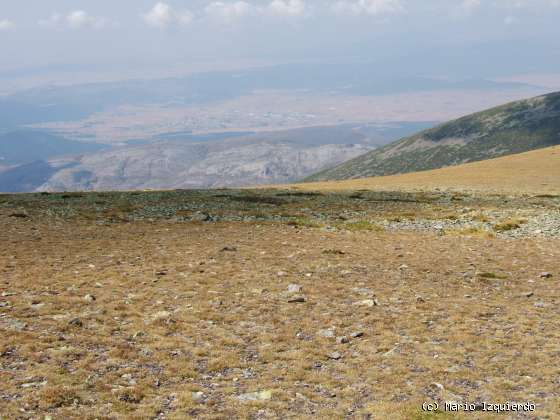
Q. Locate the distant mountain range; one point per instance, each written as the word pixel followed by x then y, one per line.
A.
pixel 512 128
pixel 44 162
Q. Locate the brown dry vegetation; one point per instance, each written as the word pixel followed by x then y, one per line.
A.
pixel 535 172
pixel 103 316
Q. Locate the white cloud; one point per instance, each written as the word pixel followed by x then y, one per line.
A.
pixel 287 7
pixel 163 15
pixel 469 6
pixel 228 11
pixel 465 8
pixel 7 25
pixel 80 19
pixel 76 19
pixel 368 7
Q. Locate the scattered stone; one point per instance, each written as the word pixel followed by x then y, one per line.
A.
pixel 228 249
pixel 161 315
pixel 334 252
pixel 281 274
pixel 420 299
pixel 540 305
pixel 357 334
pixel 342 340
pixel 197 396
pixel 546 275
pixel 16 324
pixel 529 294
pixel 89 298
pixel 138 334
pixel 19 215
pixel 201 217
pixel 335 356
pixel 294 288
pixel 297 299
pixel 162 272
pixel 8 294
pixel 329 333
pixel 363 291
pixel 368 302
pixel 76 322
pixel 256 396
pixel 437 387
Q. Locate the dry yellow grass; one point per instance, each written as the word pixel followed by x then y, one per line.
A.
pixel 174 316
pixel 276 304
pixel 535 172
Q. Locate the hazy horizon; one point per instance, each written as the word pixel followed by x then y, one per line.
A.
pixel 63 42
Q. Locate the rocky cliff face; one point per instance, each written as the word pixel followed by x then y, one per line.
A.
pixel 170 165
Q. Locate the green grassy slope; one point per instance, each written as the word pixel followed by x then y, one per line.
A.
pixel 512 128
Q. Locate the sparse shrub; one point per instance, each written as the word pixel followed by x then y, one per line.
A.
pixel 58 396
pixel 130 395
pixel 363 226
pixel 303 222
pixel 489 275
pixel 508 225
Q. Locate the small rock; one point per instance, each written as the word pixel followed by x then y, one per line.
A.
pixel 420 299
pixel 342 340
pixel 357 334
pixel 161 315
pixel 294 288
pixel 89 298
pixel 138 334
pixel 162 272
pixel 335 356
pixel 297 299
pixel 437 386
pixel 17 325
pixel 197 396
pixel 546 275
pixel 19 215
pixel 8 294
pixel 281 274
pixel 76 322
pixel 256 396
pixel 229 249
pixel 529 294
pixel 326 333
pixel 368 302
pixel 540 305
pixel 201 217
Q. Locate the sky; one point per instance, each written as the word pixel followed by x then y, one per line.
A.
pixel 128 37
